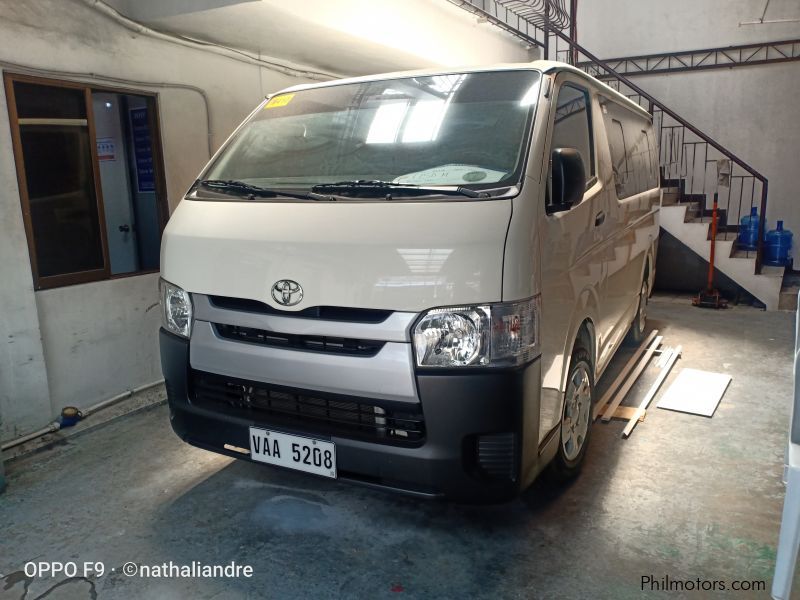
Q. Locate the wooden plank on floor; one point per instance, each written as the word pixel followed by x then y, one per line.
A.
pixel 623 391
pixel 603 402
pixel 651 393
pixel 626 413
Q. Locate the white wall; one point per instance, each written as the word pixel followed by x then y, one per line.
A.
pixel 615 28
pixel 750 110
pixel 99 338
pixel 80 344
pixel 353 37
pixel 24 397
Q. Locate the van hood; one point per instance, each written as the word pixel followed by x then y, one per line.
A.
pixel 393 255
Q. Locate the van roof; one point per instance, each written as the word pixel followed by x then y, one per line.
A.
pixel 545 66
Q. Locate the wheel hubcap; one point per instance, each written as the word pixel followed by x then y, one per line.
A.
pixel 577 405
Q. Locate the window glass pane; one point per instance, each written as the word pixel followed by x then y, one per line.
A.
pixel 58 172
pixel 652 179
pixel 641 160
pixel 573 125
pixel 633 157
pixel 457 129
pixel 45 101
pixel 619 157
pixel 123 135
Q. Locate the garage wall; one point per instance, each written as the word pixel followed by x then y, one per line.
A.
pixel 24 396
pixel 750 110
pixel 81 344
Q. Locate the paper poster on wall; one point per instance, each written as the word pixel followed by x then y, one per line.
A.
pixel 142 150
pixel 106 149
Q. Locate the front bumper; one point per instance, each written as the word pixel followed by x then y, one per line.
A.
pixel 464 415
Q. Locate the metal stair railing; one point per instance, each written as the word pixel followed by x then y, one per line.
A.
pixel 691 161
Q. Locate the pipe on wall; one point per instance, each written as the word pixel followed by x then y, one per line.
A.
pixel 56 425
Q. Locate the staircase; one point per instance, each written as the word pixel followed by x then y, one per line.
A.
pixel 693 165
pixel 685 220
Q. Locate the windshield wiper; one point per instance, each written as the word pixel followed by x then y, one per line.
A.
pixel 388 188
pixel 253 191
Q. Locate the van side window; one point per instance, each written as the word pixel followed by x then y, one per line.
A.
pixel 573 125
pixel 634 159
pixel 619 157
pixel 652 179
pixel 641 160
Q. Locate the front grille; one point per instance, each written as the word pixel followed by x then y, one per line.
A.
pixel 314 412
pixel 327 313
pixel 315 343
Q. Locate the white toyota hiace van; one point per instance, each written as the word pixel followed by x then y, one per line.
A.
pixel 413 280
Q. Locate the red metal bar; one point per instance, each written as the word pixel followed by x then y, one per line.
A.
pixel 710 286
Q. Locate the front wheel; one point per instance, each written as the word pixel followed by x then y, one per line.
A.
pixel 576 418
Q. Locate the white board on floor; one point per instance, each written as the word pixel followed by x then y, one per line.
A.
pixel 696 392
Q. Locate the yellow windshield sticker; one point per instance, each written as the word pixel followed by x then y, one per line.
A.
pixel 278 101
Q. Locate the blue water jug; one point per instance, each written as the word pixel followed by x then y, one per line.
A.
pixel 748 230
pixel 777 244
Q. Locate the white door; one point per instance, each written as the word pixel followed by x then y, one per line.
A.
pixel 115 182
pixel 572 252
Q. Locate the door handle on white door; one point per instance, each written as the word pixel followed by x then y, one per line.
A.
pixel 599 218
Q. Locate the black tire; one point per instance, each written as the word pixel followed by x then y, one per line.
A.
pixel 566 465
pixel 635 334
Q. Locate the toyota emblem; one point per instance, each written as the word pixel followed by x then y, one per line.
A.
pixel 287 292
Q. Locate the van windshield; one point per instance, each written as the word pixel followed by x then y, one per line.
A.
pixel 463 129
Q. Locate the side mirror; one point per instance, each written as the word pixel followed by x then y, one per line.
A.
pixel 569 179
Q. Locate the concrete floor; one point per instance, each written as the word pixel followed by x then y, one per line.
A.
pixel 684 497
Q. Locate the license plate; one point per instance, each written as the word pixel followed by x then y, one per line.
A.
pixel 293 451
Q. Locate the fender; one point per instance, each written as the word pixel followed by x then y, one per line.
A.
pixel 586 309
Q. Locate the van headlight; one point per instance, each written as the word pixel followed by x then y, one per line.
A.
pixel 487 335
pixel 176 309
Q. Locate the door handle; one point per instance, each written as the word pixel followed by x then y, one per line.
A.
pixel 599 218
pixel 125 228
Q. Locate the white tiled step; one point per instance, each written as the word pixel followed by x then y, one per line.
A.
pixel 766 286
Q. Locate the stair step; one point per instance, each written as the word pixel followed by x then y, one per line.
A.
pixel 694 197
pixel 788 299
pixel 770 271
pixel 673 183
pixel 789 291
pixel 694 235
